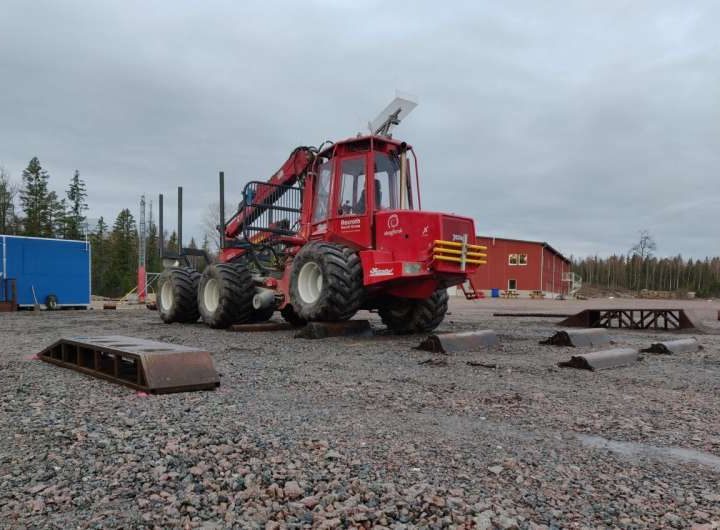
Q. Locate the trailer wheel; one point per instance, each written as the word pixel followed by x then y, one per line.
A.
pixel 225 295
pixel 326 282
pixel 177 295
pixel 291 317
pixel 51 302
pixel 405 315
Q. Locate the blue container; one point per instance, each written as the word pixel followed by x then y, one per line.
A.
pixel 495 293
pixel 47 267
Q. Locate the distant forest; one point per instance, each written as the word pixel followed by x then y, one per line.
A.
pixel 30 208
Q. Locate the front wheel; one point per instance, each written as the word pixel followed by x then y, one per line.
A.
pixel 177 295
pixel 225 295
pixel 326 282
pixel 406 315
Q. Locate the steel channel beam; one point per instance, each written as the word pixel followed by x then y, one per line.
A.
pixel 579 337
pixel 322 330
pixel 458 342
pixel 674 346
pixel 156 367
pixel 601 360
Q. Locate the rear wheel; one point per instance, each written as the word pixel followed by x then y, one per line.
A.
pixel 51 302
pixel 406 315
pixel 326 282
pixel 177 295
pixel 225 295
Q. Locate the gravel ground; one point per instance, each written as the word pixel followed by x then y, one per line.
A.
pixel 356 432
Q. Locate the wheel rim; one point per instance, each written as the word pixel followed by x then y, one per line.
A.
pixel 211 295
pixel 166 296
pixel 310 282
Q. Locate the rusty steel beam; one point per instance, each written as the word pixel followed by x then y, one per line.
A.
pixel 457 342
pixel 156 367
pixel 669 347
pixel 578 337
pixel 262 326
pixel 659 319
pixel 323 330
pixel 601 360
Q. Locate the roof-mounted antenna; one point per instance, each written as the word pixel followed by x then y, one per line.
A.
pixel 392 115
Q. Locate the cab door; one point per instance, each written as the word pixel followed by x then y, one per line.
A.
pixel 350 214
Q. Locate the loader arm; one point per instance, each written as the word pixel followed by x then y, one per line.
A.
pixel 293 170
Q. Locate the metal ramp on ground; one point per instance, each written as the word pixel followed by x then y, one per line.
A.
pixel 156 367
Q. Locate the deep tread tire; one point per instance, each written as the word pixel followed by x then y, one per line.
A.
pixel 342 291
pixel 183 285
pixel 291 317
pixel 235 290
pixel 262 315
pixel 405 315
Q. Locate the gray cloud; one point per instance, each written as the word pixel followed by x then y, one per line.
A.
pixel 572 122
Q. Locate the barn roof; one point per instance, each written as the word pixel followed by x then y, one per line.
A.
pixel 544 244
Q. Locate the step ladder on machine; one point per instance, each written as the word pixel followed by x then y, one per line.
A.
pixel 469 290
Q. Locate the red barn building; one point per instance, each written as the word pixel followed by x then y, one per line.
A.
pixel 524 267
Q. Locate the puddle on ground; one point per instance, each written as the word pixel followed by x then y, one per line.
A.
pixel 636 449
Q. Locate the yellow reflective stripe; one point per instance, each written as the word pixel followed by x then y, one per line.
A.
pixel 459 252
pixel 440 242
pixel 459 260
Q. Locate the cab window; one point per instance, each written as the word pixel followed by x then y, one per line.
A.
pixel 352 194
pixel 390 192
pixel 322 192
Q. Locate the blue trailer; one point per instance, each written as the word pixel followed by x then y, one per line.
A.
pixel 47 272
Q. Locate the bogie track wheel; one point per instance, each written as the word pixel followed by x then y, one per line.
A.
pixel 326 282
pixel 225 295
pixel 406 315
pixel 177 295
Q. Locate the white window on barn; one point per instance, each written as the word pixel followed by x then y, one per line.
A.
pixel 522 259
pixel 512 285
pixel 513 259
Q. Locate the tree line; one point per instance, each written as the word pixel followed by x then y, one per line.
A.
pixel 639 269
pixel 31 208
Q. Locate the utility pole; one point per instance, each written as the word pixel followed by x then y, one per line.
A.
pixel 142 237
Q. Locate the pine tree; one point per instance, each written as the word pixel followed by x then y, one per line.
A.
pixel 100 258
pixel 56 216
pixel 35 200
pixel 123 254
pixel 75 218
pixel 8 218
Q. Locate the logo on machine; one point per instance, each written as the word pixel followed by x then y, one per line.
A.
pixel 350 225
pixel 426 230
pixel 393 222
pixel 377 271
pixel 459 237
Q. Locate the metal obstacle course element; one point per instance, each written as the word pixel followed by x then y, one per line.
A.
pixel 455 342
pixel 323 330
pixel 669 347
pixel 578 337
pixel 156 367
pixel 666 319
pixel 601 360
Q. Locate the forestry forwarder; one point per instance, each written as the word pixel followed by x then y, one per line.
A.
pixel 337 229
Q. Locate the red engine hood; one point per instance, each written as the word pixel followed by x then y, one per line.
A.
pixel 409 235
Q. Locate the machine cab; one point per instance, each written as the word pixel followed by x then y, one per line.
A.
pixel 356 179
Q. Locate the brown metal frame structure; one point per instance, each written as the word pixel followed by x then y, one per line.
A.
pixel 155 367
pixel 9 301
pixel 666 319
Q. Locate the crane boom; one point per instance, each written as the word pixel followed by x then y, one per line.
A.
pixel 289 174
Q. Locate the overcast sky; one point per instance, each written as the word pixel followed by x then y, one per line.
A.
pixel 576 122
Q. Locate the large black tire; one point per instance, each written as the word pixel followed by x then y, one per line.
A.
pixel 405 315
pixel 262 315
pixel 177 295
pixel 225 295
pixel 326 283
pixel 291 317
